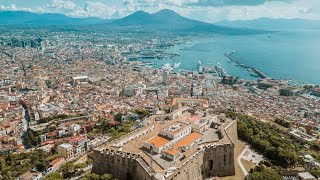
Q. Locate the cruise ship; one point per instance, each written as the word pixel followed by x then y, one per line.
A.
pixel 220 70
pixel 200 67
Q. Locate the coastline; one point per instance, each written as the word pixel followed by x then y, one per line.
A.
pixel 210 51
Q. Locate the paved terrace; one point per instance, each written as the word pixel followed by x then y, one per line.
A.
pixel 136 145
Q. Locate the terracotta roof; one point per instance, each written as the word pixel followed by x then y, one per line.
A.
pixel 184 142
pixel 176 127
pixel 158 141
pixel 29 175
pixel 172 151
pixel 195 118
pixel 5 124
pixel 113 123
pixel 76 138
pixel 188 140
pixel 48 142
pixel 54 162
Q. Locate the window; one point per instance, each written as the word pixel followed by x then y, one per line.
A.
pixel 210 163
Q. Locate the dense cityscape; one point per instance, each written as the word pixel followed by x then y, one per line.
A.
pixel 89 104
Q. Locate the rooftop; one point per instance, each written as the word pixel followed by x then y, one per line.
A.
pixel 76 139
pixel 173 151
pixel 135 142
pixel 195 118
pixel 79 77
pixel 188 140
pixel 29 175
pixel 52 163
pixel 306 175
pixel 193 137
pixel 66 146
pixel 175 127
pixel 158 141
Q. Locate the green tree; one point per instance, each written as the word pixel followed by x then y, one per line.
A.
pixel 42 165
pixel 67 169
pixel 316 173
pixel 106 177
pixel 91 176
pixel 275 145
pixel 2 163
pixel 80 165
pixel 118 117
pixel 265 174
pixel 54 176
pixel 91 135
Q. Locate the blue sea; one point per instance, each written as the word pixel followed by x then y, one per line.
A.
pixel 288 55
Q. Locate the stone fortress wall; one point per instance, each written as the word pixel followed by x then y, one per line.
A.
pixel 121 165
pixel 214 159
pixel 211 160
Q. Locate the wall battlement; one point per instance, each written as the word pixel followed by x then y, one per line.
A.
pixel 122 165
pixel 209 160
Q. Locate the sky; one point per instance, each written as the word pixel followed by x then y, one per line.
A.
pixel 204 10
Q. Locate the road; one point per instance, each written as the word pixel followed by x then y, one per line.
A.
pixel 240 163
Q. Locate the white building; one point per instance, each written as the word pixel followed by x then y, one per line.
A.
pixel 80 144
pixel 79 79
pixel 156 144
pixel 168 137
pixel 74 128
pixel 176 131
pixel 199 124
pixel 305 176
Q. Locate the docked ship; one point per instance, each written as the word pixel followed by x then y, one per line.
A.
pixel 220 70
pixel 167 67
pixel 200 67
pixel 176 65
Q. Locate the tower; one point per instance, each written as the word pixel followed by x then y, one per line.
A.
pixel 164 77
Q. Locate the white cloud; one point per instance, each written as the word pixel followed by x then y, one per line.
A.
pixel 204 10
pixel 272 9
pixel 13 7
pixel 97 9
pixel 61 4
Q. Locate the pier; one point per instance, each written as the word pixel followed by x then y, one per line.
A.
pixel 259 73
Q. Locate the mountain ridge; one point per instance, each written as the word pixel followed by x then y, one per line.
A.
pixel 23 17
pixel 170 20
pixel 163 20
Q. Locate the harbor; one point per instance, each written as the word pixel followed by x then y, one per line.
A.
pixel 251 69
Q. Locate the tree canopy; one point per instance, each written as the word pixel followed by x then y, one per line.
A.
pixel 93 176
pixel 265 174
pixel 270 141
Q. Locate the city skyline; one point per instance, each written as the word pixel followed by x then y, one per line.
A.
pixel 159 89
pixel 203 10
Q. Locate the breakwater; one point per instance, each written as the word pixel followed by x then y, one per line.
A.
pixel 252 69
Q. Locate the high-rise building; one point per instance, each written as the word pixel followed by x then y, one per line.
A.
pixel 164 77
